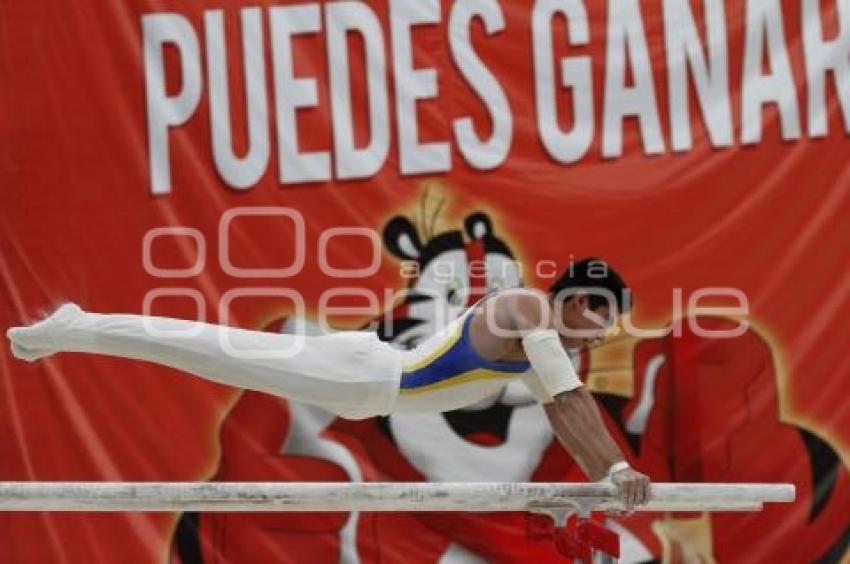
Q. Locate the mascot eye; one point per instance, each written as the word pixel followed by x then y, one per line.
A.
pixel 453 293
pixel 410 343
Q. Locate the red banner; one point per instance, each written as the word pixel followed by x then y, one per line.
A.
pixel 255 164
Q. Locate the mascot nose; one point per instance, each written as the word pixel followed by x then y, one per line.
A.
pixel 475 271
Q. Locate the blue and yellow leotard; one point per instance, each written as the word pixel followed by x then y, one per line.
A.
pixel 446 369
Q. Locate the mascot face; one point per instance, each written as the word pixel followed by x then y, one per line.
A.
pixel 451 274
pixel 503 437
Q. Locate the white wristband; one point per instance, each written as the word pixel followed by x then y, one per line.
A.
pixel 618 467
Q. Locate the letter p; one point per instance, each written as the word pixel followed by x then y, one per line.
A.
pixel 164 111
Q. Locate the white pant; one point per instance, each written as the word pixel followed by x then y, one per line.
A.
pixel 351 373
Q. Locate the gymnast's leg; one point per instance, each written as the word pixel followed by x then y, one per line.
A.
pixel 344 372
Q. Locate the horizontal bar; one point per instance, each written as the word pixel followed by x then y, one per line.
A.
pixel 374 496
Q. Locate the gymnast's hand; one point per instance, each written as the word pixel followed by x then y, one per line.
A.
pixel 632 487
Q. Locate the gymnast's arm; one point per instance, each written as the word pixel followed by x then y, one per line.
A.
pixel 571 409
pixel 578 425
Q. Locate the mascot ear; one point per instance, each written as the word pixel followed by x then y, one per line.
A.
pixel 478 225
pixel 401 238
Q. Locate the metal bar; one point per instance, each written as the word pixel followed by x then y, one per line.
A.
pixel 374 496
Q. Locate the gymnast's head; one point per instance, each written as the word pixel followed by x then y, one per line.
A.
pixel 588 298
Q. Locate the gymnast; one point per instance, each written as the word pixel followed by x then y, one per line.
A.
pixel 508 334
